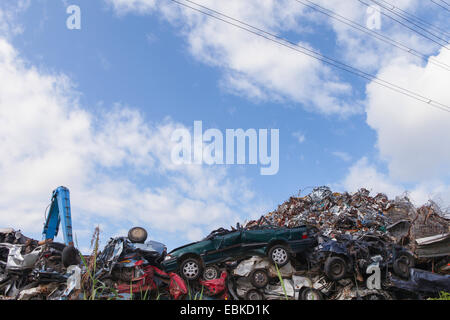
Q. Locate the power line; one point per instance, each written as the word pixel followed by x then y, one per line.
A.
pixel 407 26
pixel 416 18
pixel 332 14
pixel 311 53
pixel 392 10
pixel 442 6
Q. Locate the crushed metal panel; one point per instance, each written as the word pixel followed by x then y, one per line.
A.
pixel 244 268
pixel 17 261
pixel 73 280
pixel 432 239
pixel 42 290
pixel 421 281
pixel 399 229
pixel 434 246
pixel 277 291
pixel 151 246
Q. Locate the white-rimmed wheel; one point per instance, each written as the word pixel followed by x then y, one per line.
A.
pixel 190 269
pixel 259 278
pixel 211 272
pixel 279 254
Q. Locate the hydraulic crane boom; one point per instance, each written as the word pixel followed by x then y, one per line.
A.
pixel 59 213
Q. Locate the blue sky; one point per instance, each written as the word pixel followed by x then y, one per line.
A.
pixel 138 68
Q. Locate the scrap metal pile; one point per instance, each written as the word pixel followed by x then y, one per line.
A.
pixel 324 245
pixel 409 245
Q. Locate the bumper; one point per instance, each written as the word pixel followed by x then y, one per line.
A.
pixel 170 265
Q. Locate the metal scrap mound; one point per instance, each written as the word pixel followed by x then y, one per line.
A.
pixel 359 213
pixel 369 247
pixel 367 230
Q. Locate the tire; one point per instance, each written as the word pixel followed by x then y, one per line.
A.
pixel 210 273
pixel 279 255
pixel 311 294
pixel 335 268
pixel 254 295
pixel 259 278
pixel 402 264
pixel 137 235
pixel 70 256
pixel 191 269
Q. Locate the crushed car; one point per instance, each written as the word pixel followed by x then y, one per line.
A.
pixel 263 239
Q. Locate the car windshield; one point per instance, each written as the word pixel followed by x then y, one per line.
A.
pixel 261 223
pixel 218 232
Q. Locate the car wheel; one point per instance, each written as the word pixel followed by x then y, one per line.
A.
pixel 70 256
pixel 402 264
pixel 335 268
pixel 210 272
pixel 259 278
pixel 310 294
pixel 190 269
pixel 137 235
pixel 254 295
pixel 279 254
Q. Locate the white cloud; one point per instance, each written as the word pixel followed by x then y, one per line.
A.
pixel 252 66
pixel 411 134
pixel 368 52
pixel 300 137
pixel 124 6
pixel 9 26
pixel 344 156
pixel 364 174
pixel 262 70
pixel 48 139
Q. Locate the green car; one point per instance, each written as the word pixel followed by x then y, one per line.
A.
pixel 279 244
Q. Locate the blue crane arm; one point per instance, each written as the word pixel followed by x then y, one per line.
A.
pixel 59 213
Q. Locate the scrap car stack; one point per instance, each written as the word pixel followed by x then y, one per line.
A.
pixel 324 245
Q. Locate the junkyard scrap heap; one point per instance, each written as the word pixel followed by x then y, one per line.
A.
pixel 365 247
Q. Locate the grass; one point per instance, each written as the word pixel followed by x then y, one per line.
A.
pixel 442 296
pixel 196 296
pixel 91 269
pixel 90 284
pixel 281 281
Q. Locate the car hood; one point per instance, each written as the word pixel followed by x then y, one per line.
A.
pixel 150 246
pixel 182 247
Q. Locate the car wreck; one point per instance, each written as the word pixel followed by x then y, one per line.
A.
pixel 262 239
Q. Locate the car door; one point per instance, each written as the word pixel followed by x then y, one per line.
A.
pixel 214 249
pixel 232 244
pixel 256 238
